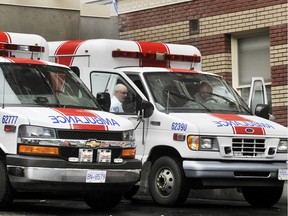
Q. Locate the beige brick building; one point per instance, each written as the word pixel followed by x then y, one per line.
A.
pixel 238 39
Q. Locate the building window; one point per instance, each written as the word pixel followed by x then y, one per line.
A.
pixel 194 26
pixel 251 58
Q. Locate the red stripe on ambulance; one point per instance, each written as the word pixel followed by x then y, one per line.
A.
pixel 5 37
pixel 240 129
pixel 147 47
pixel 67 48
pixel 181 70
pixel 25 61
pixel 83 113
pixel 247 130
pixel 230 117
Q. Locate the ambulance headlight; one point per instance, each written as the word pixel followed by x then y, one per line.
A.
pixel 128 135
pixel 206 143
pixel 27 131
pixel 198 143
pixel 282 146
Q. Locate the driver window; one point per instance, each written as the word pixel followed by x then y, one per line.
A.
pixel 123 97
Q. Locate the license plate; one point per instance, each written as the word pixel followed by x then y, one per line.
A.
pixel 95 176
pixel 283 174
pixel 86 155
pixel 104 155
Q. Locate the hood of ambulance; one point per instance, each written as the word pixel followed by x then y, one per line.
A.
pixel 69 118
pixel 225 124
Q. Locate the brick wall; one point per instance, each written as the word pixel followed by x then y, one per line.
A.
pixel 279 62
pixel 218 19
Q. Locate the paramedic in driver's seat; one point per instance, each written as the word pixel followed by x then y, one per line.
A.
pixel 119 95
pixel 204 93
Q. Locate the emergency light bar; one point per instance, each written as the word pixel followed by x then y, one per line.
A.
pixel 155 56
pixel 17 47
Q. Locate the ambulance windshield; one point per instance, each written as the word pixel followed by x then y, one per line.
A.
pixel 193 92
pixel 42 85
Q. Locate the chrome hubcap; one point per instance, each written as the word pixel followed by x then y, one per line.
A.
pixel 165 182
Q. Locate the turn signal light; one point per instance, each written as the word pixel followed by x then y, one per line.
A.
pixel 193 142
pixel 39 150
pixel 128 152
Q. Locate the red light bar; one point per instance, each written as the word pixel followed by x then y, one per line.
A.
pixel 36 49
pixel 124 54
pixel 173 57
pixel 26 48
pixel 155 56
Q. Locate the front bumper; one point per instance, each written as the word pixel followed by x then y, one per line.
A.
pixel 28 173
pixel 231 173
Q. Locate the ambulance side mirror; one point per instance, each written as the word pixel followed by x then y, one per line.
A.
pixel 76 70
pixel 147 109
pixel 262 110
pixel 103 98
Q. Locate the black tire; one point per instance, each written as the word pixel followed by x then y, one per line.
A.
pixel 167 183
pixel 262 196
pixel 132 192
pixel 102 201
pixel 6 191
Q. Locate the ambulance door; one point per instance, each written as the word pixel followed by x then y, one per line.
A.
pixel 130 98
pixel 258 94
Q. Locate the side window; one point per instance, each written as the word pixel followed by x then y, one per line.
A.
pixel 123 96
pixel 137 81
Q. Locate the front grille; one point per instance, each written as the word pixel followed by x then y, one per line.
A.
pixel 65 152
pixel 86 135
pixel 248 147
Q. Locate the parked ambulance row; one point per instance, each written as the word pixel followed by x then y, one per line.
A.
pixel 103 118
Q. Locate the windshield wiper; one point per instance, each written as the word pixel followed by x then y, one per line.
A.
pixel 187 98
pixel 80 107
pixel 231 103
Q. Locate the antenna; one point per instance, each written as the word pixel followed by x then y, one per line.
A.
pixel 4 81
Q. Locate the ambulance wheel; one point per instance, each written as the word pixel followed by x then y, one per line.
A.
pixel 102 201
pixel 262 196
pixel 167 183
pixel 6 190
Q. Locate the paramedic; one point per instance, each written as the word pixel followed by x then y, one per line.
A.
pixel 205 92
pixel 120 93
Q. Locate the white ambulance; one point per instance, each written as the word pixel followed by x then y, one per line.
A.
pixel 54 138
pixel 201 134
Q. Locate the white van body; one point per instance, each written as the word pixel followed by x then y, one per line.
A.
pixel 54 137
pixel 185 143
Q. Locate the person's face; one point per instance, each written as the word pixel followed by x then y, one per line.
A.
pixel 121 94
pixel 205 93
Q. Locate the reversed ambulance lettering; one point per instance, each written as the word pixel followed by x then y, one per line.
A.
pixel 241 125
pixel 83 120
